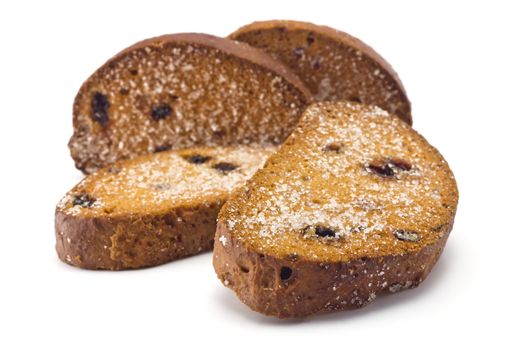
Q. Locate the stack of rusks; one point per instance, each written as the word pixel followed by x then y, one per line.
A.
pixel 286 148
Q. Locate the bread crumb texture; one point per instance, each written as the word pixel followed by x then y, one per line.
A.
pixel 183 91
pixel 159 182
pixel 333 64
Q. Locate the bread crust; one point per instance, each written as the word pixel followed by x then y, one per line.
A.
pixel 243 33
pixel 137 241
pixel 316 288
pixel 92 145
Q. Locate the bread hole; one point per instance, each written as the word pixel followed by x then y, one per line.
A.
pixel 285 273
pixel 244 269
pixel 197 158
pixel 225 167
pixel 354 99
pixel 124 92
pixel 173 97
pixel 134 71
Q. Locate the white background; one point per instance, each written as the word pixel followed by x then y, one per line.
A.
pixel 463 67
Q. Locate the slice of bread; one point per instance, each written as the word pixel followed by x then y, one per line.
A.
pixel 179 91
pixel 354 203
pixel 333 64
pixel 151 209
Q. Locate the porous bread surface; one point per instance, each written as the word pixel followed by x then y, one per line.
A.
pixel 153 208
pixel 353 204
pixel 334 65
pixel 183 90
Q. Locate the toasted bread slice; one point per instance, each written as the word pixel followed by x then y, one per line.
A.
pixel 354 203
pixel 179 91
pixel 333 64
pixel 151 209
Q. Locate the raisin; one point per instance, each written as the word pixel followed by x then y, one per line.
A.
pixel 382 170
pixel 99 108
pixel 124 92
pixel 298 52
pixel 225 167
pixel 310 38
pixel 320 231
pixel 161 111
pixel 133 71
pixel 162 148
pixel 354 99
pixel 389 168
pixel 286 273
pixel 324 231
pixel 400 164
pixel 197 158
pixel 406 236
pixel 84 200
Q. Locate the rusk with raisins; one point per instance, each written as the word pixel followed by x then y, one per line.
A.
pixel 354 204
pixel 183 90
pixel 152 209
pixel 333 65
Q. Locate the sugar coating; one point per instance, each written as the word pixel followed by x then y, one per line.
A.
pixel 165 180
pixel 215 99
pixel 307 184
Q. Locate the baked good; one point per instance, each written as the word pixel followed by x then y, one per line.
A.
pixel 354 203
pixel 151 209
pixel 179 91
pixel 332 64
